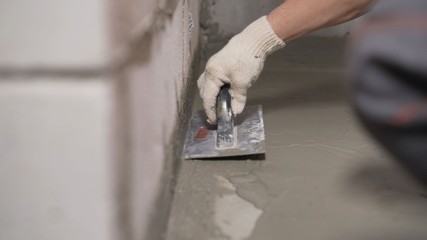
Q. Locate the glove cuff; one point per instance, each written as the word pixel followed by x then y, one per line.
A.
pixel 259 39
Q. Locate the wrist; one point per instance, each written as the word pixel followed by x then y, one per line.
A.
pixel 259 39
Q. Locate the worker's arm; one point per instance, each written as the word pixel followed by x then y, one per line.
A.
pixel 241 61
pixel 294 18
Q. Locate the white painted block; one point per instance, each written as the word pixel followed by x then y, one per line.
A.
pixel 53 33
pixel 56 176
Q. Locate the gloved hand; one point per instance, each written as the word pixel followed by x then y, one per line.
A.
pixel 239 64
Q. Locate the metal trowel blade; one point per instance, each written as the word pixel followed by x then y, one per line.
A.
pixel 249 137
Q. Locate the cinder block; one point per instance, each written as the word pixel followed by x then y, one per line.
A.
pixel 153 90
pixel 57 175
pixel 56 167
pixel 53 33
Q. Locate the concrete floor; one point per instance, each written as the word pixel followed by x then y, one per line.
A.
pixel 322 177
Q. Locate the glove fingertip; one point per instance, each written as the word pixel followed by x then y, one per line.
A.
pixel 211 117
pixel 237 107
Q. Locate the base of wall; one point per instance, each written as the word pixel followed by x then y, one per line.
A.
pixel 160 215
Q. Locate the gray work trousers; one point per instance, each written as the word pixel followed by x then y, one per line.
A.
pixel 388 79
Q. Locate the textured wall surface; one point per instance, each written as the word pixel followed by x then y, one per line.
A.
pixel 92 96
pixel 155 83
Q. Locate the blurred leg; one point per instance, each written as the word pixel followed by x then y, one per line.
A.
pixel 388 73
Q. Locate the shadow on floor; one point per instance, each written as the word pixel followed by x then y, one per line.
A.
pixel 253 157
pixel 383 234
pixel 389 186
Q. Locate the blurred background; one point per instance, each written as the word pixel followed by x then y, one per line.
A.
pixel 95 97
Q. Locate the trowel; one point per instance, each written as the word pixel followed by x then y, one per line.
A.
pixel 232 135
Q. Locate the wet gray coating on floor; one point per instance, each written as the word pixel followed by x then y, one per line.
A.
pixel 322 177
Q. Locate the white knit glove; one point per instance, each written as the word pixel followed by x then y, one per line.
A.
pixel 239 64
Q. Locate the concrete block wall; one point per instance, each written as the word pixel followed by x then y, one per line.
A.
pixel 92 96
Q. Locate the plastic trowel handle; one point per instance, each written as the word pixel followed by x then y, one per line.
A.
pixel 225 132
